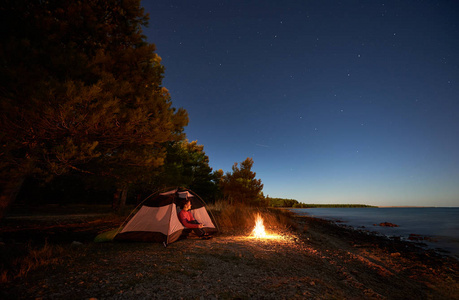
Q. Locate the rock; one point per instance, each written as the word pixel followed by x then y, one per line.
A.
pixel 387 224
pixel 76 244
pixel 417 237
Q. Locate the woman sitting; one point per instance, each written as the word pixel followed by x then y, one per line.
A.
pixel 187 219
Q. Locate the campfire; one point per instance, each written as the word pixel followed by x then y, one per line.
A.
pixel 259 231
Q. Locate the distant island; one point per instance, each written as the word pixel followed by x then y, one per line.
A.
pixel 303 205
pixel 292 203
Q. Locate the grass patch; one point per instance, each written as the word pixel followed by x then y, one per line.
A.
pixel 18 260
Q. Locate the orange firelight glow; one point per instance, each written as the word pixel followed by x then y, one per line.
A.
pixel 259 230
pixel 260 233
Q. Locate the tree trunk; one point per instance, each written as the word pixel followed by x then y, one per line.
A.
pixel 116 200
pixel 123 197
pixel 9 193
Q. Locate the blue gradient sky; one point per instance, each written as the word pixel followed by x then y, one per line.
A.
pixel 354 102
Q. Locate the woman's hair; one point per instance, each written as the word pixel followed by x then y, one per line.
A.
pixel 182 204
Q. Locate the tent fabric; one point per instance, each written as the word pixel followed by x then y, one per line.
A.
pixel 182 195
pixel 201 215
pixel 150 219
pixel 157 219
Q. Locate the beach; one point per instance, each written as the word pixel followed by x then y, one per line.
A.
pixel 314 260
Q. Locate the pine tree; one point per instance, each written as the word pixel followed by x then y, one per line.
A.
pixel 240 186
pixel 80 90
pixel 187 165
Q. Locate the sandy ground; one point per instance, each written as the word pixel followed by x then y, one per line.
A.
pixel 317 260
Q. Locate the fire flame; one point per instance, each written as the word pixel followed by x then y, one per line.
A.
pixel 259 230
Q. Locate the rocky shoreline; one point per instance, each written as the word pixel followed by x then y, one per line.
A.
pixel 317 260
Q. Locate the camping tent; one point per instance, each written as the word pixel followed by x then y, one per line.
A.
pixel 157 219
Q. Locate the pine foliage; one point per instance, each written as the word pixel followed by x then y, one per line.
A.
pixel 241 186
pixel 81 89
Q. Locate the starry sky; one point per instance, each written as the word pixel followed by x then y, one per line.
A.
pixel 335 101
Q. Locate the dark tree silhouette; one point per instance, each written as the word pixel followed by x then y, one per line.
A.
pixel 240 186
pixel 187 165
pixel 80 90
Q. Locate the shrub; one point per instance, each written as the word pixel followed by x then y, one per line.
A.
pixel 18 262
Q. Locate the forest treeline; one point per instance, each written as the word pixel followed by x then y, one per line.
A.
pixel 84 116
pixel 280 202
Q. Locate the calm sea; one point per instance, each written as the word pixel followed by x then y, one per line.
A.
pixel 441 224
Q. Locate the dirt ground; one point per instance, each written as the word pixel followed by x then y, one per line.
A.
pixel 317 260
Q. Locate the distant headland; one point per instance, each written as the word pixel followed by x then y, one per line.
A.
pixel 293 203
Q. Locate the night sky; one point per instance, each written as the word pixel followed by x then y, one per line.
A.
pixel 335 101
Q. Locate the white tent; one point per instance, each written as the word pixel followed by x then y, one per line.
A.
pixel 157 219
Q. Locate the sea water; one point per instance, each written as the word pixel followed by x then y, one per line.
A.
pixel 440 224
